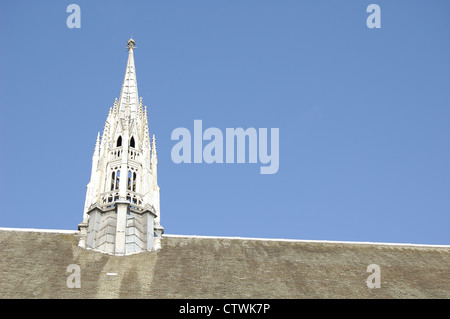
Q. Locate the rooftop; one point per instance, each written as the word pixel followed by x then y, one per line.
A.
pixel 34 265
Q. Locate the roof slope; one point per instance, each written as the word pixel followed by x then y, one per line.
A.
pixel 34 265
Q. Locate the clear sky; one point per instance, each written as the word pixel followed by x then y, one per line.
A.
pixel 363 114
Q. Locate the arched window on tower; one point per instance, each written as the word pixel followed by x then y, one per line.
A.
pixel 113 177
pixel 117 179
pixel 129 180
pixel 132 143
pixel 119 141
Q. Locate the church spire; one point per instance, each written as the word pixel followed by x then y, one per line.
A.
pixel 122 210
pixel 129 97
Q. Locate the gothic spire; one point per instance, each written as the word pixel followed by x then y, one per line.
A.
pixel 129 93
pixel 123 178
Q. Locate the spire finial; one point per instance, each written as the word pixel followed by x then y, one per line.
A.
pixel 130 44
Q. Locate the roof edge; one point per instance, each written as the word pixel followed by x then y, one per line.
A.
pixel 38 230
pixel 65 231
pixel 306 241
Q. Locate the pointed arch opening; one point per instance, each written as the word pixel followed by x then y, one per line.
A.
pixel 117 179
pixel 132 143
pixel 129 180
pixel 119 141
pixel 113 180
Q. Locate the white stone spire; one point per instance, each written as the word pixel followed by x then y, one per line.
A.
pixel 122 209
pixel 129 97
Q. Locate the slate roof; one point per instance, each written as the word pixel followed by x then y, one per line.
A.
pixel 33 264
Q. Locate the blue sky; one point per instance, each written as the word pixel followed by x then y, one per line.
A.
pixel 363 114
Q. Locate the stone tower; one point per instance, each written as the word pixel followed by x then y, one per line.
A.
pixel 122 212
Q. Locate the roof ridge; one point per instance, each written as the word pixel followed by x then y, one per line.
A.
pixel 306 241
pixel 65 231
pixel 40 230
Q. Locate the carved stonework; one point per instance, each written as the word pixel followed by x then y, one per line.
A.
pixel 122 210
